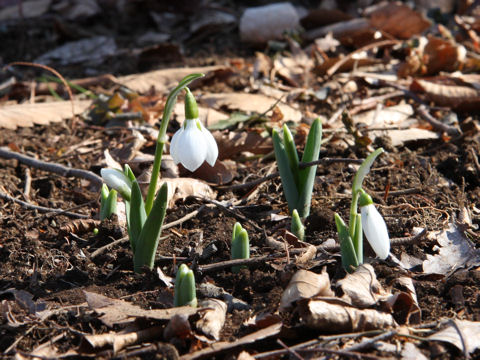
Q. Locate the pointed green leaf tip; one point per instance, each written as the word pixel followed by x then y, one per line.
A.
pixel 240 245
pixel 185 293
pixel 297 227
pixel 191 108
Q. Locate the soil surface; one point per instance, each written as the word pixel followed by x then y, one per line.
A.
pixel 49 260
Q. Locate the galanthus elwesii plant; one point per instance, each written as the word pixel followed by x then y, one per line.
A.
pixel 143 231
pixel 240 245
pixel 185 293
pixel 298 181
pixel 193 143
pixel 145 219
pixel 369 222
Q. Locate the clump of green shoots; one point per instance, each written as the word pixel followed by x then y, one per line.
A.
pixel 369 222
pixel 240 245
pixel 185 293
pixel 297 180
pixel 144 218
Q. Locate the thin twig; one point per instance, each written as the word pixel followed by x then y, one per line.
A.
pixel 48 68
pixel 28 183
pixel 333 69
pixel 437 125
pixel 232 213
pixel 104 248
pixel 369 343
pixel 43 208
pixel 291 351
pixel 51 167
pixel 164 227
pixel 184 218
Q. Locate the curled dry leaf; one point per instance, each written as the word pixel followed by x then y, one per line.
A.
pixel 120 341
pixel 307 255
pixel 446 93
pixel 404 304
pixel 304 285
pixel 177 327
pixel 213 318
pixel 114 311
pixel 80 226
pixel 461 333
pixel 341 318
pixel 361 288
pixel 181 188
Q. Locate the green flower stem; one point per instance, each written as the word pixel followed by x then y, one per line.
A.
pixel 162 135
pixel 358 238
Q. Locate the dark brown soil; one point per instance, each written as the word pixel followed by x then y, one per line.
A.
pixel 49 255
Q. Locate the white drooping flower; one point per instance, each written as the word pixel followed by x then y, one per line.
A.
pixel 117 180
pixel 374 227
pixel 193 144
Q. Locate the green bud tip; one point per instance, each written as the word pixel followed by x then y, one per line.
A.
pixel 191 108
pixel 364 199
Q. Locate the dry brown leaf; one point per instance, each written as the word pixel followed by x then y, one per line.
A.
pixel 162 80
pixel 411 352
pixel 79 226
pixel 221 346
pixel 213 318
pixel 361 288
pixel 251 103
pixel 120 341
pixel 232 144
pixel 181 188
pixel 304 285
pixel 306 256
pixel 404 304
pixel 219 174
pixel 27 115
pixel 336 317
pixel 115 311
pixel 398 20
pixel 455 251
pixel 348 66
pixel 462 98
pixel 463 334
pixel 177 327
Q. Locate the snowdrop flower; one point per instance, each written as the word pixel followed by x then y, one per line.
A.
pixel 193 143
pixel 117 180
pixel 374 226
